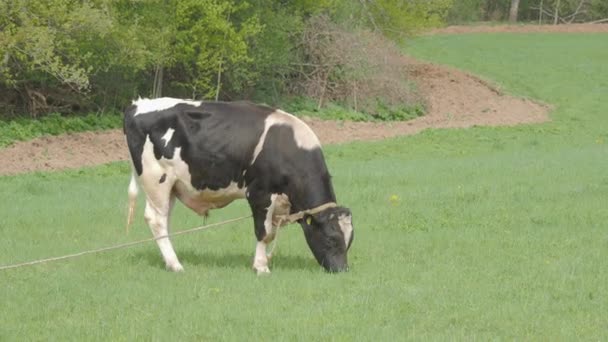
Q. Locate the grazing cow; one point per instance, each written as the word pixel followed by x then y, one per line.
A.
pixel 208 154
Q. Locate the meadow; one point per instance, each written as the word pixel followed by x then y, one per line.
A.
pixel 460 234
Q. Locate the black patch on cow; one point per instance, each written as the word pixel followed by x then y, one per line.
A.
pixel 300 174
pixel 135 140
pixel 194 115
pixel 217 139
pixel 162 178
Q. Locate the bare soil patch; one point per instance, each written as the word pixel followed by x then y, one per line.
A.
pixel 570 28
pixel 454 99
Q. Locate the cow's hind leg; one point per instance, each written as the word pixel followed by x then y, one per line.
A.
pixel 159 202
pixel 157 218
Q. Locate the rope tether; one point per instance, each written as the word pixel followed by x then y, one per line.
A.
pixel 123 245
pixel 283 219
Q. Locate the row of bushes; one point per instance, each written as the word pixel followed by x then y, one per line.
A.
pixel 75 56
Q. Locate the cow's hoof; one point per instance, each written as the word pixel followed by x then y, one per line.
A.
pixel 262 270
pixel 175 267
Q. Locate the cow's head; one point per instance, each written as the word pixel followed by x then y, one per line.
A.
pixel 329 235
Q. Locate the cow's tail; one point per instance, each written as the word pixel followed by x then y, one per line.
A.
pixel 133 191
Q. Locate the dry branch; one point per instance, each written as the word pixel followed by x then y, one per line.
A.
pixel 599 21
pixel 353 68
pixel 577 11
pixel 546 12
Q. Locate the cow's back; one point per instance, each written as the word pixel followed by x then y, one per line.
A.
pixel 215 139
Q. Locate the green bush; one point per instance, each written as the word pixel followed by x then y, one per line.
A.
pixel 398 113
pixel 464 11
pixel 303 106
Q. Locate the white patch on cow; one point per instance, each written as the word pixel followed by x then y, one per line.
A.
pixel 159 202
pixel 282 207
pixel 279 205
pixel 154 105
pixel 304 136
pixel 346 225
pixel 158 221
pixel 177 183
pixel 268 221
pixel 167 136
pixel 200 201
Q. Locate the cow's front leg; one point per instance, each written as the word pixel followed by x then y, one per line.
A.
pixel 260 261
pixel 265 234
pixel 262 207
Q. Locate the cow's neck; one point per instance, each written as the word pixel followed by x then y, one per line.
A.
pixel 311 194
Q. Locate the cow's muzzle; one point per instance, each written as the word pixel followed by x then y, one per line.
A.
pixel 335 268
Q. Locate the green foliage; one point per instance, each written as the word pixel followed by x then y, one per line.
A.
pixel 54 124
pixel 52 41
pixel 466 11
pixel 386 112
pixel 75 57
pixel 57 54
pixel 207 42
pixel 302 106
pixel 147 28
pixel 598 9
pixel 397 18
pixel 274 51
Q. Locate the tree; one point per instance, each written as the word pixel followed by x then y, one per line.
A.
pixel 556 15
pixel 210 40
pixel 150 27
pixel 397 18
pixel 513 11
pixel 50 50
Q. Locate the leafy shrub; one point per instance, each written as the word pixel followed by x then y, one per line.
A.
pixel 302 106
pixel 360 70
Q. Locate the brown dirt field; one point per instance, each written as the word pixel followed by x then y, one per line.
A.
pixel 570 28
pixel 454 99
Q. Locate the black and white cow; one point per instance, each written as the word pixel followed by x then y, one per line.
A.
pixel 208 154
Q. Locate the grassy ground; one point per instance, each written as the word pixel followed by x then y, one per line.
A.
pixel 484 233
pixel 54 124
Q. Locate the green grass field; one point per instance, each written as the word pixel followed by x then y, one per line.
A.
pixel 482 233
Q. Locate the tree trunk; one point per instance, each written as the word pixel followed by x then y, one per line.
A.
pixel 157 87
pixel 540 13
pixel 513 11
pixel 219 81
pixel 220 64
pixel 556 16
